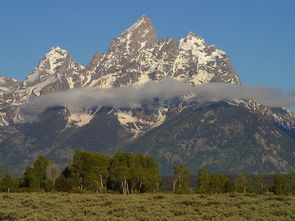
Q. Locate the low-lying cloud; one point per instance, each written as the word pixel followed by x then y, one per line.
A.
pixel 130 96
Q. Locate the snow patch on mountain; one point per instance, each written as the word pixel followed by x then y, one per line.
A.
pixel 130 122
pixel 139 125
pixel 79 119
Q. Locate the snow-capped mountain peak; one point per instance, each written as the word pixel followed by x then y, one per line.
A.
pixel 193 40
pixel 56 53
pixel 133 58
pixel 49 65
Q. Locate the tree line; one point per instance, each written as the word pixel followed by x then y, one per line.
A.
pixel 89 171
pixel 134 173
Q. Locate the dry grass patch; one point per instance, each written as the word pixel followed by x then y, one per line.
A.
pixel 144 207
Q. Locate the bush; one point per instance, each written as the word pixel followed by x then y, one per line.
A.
pixel 29 190
pixel 48 185
pixel 63 184
pixel 77 190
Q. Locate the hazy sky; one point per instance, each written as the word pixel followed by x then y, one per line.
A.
pixel 258 35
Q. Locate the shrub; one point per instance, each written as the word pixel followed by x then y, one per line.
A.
pixel 48 185
pixel 63 184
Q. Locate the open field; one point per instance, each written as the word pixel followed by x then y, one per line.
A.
pixel 158 206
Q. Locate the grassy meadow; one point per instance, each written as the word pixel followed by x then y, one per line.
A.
pixel 145 207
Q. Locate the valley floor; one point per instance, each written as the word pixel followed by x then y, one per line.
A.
pixel 158 206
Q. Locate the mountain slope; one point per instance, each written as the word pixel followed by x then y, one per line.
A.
pixel 227 137
pixel 221 137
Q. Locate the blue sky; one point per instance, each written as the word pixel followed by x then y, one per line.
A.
pixel 258 35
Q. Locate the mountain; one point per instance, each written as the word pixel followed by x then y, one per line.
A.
pixel 7 84
pixel 226 136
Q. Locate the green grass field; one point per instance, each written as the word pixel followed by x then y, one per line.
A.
pixel 158 206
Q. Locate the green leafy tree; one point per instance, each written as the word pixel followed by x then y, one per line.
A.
pixel 145 174
pixel 37 176
pixel 229 186
pixel 48 185
pixel 181 179
pixel 40 169
pixel 120 176
pixel 1 173
pixel 133 173
pixel 89 170
pixel 281 185
pixel 217 183
pixel 30 179
pixel 121 172
pixel 261 186
pixel 8 183
pixel 292 182
pixel 52 171
pixel 203 180
pixel 243 183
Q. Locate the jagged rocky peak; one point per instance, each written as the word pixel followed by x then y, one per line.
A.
pixel 7 84
pixel 134 38
pixel 48 65
pixel 192 40
pixel 213 64
pixel 199 48
pixel 94 62
pixel 53 58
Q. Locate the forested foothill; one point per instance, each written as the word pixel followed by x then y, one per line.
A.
pixel 126 173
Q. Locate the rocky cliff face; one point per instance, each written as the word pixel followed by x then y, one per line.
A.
pixel 197 134
pixel 7 84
